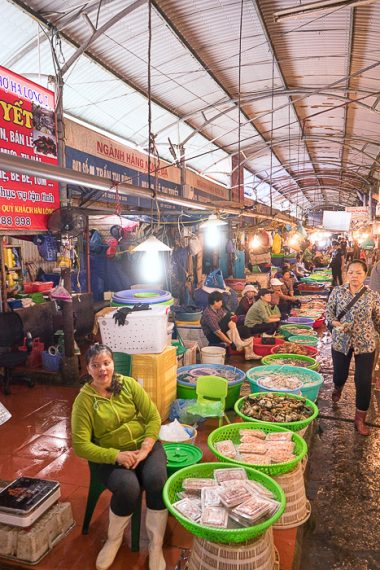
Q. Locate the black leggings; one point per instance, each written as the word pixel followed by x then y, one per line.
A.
pixel 126 484
pixel 363 374
pixel 246 332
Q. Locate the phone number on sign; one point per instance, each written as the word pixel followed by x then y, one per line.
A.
pixel 17 221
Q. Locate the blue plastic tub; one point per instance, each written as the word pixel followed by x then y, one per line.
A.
pixel 312 381
pixel 300 320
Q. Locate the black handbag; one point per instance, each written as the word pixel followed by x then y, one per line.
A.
pixel 268 340
pixel 348 307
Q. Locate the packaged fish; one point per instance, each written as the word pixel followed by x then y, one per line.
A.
pixel 214 516
pixel 259 447
pixel 195 484
pixel 210 497
pixel 227 474
pixel 256 458
pixel 232 483
pixel 281 446
pixel 279 436
pixel 280 456
pixel 226 448
pixel 233 496
pixel 259 489
pixel 189 508
pixel 252 510
pixel 258 433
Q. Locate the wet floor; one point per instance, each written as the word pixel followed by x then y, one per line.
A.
pixel 343 485
pixel 36 442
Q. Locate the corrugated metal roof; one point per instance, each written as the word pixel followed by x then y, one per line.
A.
pixel 308 87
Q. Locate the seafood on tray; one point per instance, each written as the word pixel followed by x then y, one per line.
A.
pixel 298 330
pixel 289 362
pixel 275 408
pixel 290 348
pixel 278 381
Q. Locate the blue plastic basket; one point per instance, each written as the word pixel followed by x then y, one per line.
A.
pixel 312 381
pixel 51 362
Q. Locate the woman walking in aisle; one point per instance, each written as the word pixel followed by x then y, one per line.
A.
pixel 353 313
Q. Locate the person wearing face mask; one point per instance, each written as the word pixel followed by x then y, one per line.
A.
pixel 353 315
pixel 115 425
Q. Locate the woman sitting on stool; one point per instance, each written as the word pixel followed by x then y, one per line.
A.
pixel 262 317
pixel 115 425
pixel 218 327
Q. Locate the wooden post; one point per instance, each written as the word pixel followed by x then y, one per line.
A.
pixel 70 369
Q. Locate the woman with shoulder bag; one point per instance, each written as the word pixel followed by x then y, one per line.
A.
pixel 353 314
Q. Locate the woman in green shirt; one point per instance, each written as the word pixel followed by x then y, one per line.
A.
pixel 115 425
pixel 262 317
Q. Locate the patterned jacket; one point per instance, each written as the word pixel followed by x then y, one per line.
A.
pixel 364 317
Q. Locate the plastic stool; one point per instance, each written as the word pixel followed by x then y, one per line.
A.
pixel 95 490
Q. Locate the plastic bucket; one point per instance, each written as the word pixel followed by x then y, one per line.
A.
pixel 213 355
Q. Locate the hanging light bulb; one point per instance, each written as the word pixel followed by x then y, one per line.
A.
pixel 256 242
pixel 151 267
pixel 212 230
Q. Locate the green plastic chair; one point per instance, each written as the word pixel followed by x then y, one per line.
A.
pixel 95 490
pixel 211 398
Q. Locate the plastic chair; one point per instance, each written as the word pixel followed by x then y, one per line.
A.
pixel 95 490
pixel 211 398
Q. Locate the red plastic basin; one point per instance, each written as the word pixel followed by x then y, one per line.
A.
pixel 264 349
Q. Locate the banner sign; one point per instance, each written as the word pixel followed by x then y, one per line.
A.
pixel 102 156
pixel 359 216
pixel 27 129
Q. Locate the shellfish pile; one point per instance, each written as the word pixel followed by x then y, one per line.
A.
pixel 275 408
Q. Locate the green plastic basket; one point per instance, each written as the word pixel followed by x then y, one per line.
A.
pixel 231 432
pixel 286 330
pixel 304 339
pixel 312 364
pixel 292 426
pixel 221 535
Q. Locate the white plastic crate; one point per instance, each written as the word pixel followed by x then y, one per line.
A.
pixel 144 332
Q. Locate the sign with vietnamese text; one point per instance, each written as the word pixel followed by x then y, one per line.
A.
pixel 28 130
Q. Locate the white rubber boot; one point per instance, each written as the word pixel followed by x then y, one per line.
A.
pixel 155 527
pixel 115 535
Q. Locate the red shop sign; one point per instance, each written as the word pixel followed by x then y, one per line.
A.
pixel 27 129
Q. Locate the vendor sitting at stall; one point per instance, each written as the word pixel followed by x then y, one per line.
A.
pixel 248 298
pixel 281 299
pixel 262 317
pixel 218 327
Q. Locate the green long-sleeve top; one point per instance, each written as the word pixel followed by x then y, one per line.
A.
pixel 101 427
pixel 259 313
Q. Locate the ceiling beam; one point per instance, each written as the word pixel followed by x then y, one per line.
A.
pixel 206 67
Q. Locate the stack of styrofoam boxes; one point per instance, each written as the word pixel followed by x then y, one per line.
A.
pixel 31 544
pixel 157 374
pixel 190 356
pixel 193 333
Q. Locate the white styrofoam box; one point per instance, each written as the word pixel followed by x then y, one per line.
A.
pixel 144 332
pixel 194 333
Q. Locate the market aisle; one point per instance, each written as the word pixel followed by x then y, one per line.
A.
pixel 36 442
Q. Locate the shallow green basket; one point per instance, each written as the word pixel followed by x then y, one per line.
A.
pixel 284 329
pixel 270 360
pixel 292 426
pixel 221 535
pixel 231 432
pixel 304 339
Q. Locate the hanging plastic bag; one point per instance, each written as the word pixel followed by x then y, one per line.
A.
pixel 215 279
pixel 59 293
